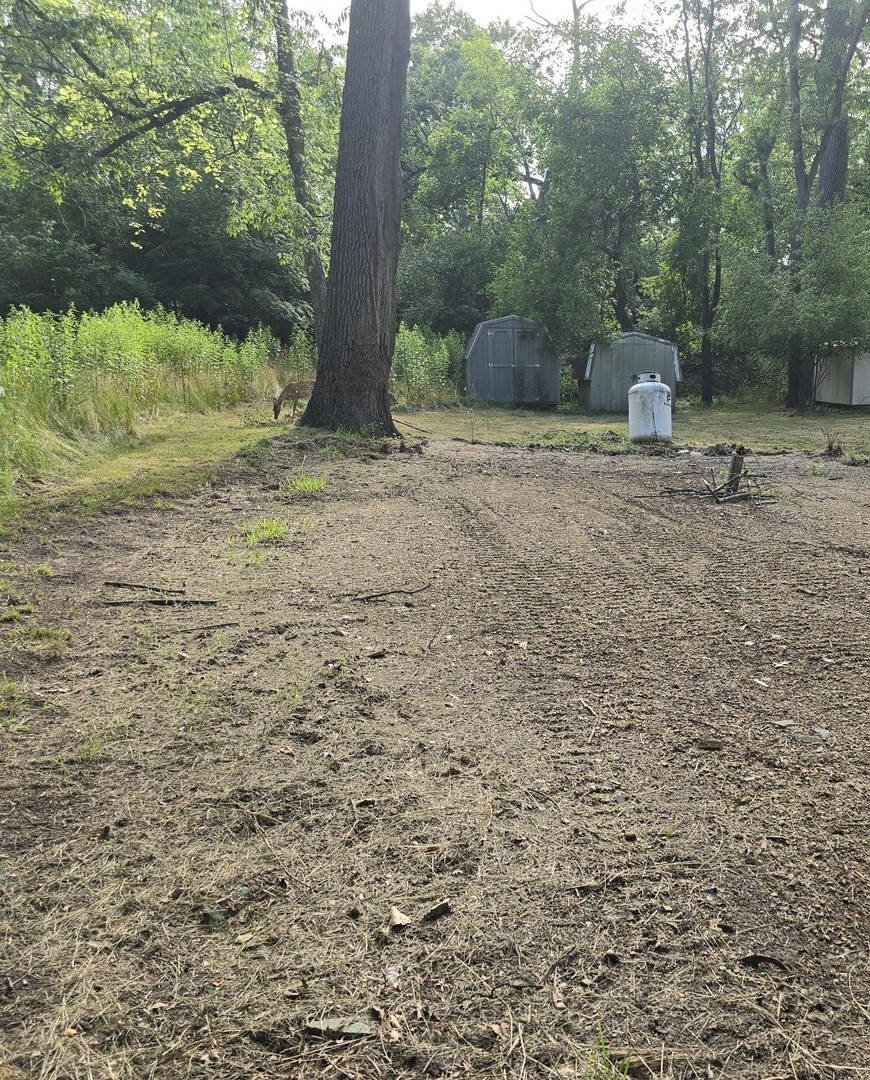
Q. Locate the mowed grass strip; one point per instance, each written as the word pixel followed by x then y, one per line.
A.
pixel 171 458
pixel 759 427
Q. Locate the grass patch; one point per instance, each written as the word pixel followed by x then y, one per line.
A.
pixel 12 612
pixel 303 484
pixel 172 458
pixel 48 642
pixel 10 698
pixel 91 746
pixel 267 531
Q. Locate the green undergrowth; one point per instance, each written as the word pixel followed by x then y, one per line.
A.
pixel 173 457
pixel 75 383
pixel 170 459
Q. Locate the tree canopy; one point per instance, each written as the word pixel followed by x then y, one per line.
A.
pixel 706 182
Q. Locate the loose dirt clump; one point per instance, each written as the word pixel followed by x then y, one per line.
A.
pixel 481 765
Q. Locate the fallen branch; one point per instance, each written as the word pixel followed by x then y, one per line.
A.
pixel 208 626
pixel 162 601
pixel 389 592
pixel 425 431
pixel 141 585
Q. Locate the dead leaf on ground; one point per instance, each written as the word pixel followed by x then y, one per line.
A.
pixel 441 909
pixel 340 1027
pixel 397 920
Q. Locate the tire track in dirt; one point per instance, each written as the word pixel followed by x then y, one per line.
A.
pixel 622 622
pixel 281 785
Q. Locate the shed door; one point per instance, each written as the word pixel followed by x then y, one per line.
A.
pixel 527 372
pixel 500 355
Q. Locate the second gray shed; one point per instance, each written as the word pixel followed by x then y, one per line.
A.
pixel 843 377
pixel 512 361
pixel 611 369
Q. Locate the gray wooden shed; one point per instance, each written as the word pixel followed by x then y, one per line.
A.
pixel 611 369
pixel 512 361
pixel 843 378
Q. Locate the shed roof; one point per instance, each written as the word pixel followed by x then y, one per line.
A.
pixel 513 320
pixel 678 371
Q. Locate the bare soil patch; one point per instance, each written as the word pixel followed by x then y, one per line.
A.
pixel 607 755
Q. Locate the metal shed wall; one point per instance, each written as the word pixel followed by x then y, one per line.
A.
pixel 843 378
pixel 611 368
pixel 512 361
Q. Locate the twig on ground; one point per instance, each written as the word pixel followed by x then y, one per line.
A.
pixel 141 585
pixel 388 592
pixel 404 423
pixel 161 601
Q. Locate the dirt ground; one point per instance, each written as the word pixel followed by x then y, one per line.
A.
pixel 600 758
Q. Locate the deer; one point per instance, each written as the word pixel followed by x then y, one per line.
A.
pixel 295 392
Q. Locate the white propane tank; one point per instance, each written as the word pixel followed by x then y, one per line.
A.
pixel 649 409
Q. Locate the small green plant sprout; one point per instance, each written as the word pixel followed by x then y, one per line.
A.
pixel 267 531
pixel 43 571
pixel 601 1064
pixel 91 746
pixel 10 699
pixel 833 442
pixel 305 484
pixel 14 609
pixel 815 469
pixel 48 642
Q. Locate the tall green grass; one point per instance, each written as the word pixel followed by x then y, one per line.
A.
pixel 72 378
pixel 427 369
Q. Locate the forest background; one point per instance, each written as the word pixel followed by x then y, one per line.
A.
pixel 706 179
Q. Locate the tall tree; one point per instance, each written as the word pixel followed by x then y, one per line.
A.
pixel 840 39
pixel 582 249
pixel 356 346
pixel 711 106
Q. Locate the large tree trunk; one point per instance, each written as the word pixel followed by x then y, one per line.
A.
pixel 834 159
pixel 359 331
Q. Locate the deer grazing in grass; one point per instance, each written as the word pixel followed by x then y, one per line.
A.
pixel 295 392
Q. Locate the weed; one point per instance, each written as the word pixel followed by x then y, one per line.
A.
pixel 815 469
pixel 304 525
pixel 601 1065
pixel 42 571
pixel 91 746
pixel 14 611
pixel 833 442
pixel 256 558
pixel 267 531
pixel 304 484
pixel 48 642
pixel 10 698
pixel 70 377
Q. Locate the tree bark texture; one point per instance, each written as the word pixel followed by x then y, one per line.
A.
pixel 706 155
pixel 356 350
pixel 834 160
